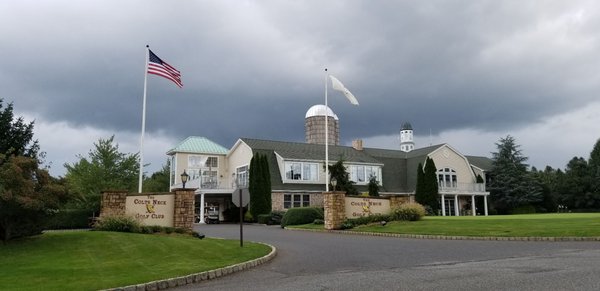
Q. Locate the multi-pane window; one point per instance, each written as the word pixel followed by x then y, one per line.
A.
pixel 296 200
pixel 447 178
pixel 242 176
pixel 361 174
pixel 212 162
pixel 301 171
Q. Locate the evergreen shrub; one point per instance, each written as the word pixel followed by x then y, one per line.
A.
pixel 301 215
pixel 263 218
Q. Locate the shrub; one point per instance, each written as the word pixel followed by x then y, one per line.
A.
pixel 319 221
pixel 168 229
pixel 276 217
pixel 263 218
pixel 248 216
pixel 180 230
pixel 525 209
pixel 409 212
pixel 354 222
pixel 69 219
pixel 120 223
pixel 301 215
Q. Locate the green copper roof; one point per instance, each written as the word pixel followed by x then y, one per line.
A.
pixel 200 145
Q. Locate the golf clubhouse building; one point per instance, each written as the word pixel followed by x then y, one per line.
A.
pixel 298 173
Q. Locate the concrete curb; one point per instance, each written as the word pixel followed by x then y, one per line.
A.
pixel 199 277
pixel 444 237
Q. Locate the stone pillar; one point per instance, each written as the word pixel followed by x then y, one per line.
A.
pixel 335 209
pixel 113 203
pixel 183 208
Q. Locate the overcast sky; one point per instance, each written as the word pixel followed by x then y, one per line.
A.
pixel 462 72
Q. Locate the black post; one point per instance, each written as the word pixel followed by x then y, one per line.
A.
pixel 241 220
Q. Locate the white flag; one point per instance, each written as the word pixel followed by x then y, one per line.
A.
pixel 337 85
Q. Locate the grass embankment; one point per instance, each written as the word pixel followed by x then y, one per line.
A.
pixel 527 225
pixel 95 260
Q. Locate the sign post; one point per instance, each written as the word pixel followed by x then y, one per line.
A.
pixel 241 201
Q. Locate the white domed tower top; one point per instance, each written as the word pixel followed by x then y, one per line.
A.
pixel 314 125
pixel 320 110
pixel 407 143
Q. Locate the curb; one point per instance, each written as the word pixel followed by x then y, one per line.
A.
pixel 444 237
pixel 199 277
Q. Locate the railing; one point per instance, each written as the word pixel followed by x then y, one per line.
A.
pixel 454 187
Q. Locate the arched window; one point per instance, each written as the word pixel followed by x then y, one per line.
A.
pixel 447 178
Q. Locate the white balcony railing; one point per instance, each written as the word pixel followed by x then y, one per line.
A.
pixel 454 187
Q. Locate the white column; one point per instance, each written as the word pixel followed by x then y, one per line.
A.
pixel 485 205
pixel 473 205
pixel 443 205
pixel 456 210
pixel 202 209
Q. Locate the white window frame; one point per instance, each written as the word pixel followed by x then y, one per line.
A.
pixel 364 170
pixel 447 178
pixel 305 173
pixel 296 200
pixel 242 175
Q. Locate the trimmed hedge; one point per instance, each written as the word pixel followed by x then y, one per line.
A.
pixel 301 215
pixel 123 223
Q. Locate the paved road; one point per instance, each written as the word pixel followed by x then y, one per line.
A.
pixel 326 261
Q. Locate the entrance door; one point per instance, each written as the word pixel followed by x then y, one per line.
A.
pixel 449 202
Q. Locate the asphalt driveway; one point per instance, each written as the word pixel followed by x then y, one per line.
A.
pixel 327 261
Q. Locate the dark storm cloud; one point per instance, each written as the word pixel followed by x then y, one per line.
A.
pixel 254 68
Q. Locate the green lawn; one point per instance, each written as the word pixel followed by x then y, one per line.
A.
pixel 528 225
pixel 94 260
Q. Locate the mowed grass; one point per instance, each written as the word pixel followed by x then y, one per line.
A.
pixel 95 260
pixel 527 225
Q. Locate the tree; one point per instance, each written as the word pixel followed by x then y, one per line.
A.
pixel 159 180
pixel 512 185
pixel 338 171
pixel 594 169
pixel 16 136
pixel 430 186
pixel 105 169
pixel 259 185
pixel 28 196
pixel 373 186
pixel 419 194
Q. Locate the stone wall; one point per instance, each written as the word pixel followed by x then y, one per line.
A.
pixel 113 203
pixel 184 208
pixel 335 213
pixel 277 198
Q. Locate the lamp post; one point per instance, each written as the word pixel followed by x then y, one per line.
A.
pixel 184 178
pixel 333 183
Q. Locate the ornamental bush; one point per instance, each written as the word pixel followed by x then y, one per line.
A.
pixel 408 212
pixel 301 215
pixel 375 218
pixel 119 223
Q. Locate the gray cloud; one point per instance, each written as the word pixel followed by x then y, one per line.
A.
pixel 253 68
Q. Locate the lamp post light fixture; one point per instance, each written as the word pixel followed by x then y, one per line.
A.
pixel 184 178
pixel 333 183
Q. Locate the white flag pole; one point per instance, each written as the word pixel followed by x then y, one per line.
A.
pixel 143 122
pixel 326 137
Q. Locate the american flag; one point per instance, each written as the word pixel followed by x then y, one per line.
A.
pixel 159 67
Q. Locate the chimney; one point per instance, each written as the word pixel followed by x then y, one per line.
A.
pixel 357 144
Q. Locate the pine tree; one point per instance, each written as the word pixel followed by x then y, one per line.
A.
pixel 430 185
pixel 338 171
pixel 16 136
pixel 512 185
pixel 259 185
pixel 594 169
pixel 419 197
pixel 266 189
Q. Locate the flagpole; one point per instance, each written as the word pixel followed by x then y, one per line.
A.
pixel 143 122
pixel 326 138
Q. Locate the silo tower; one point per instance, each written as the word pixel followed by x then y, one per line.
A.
pixel 314 125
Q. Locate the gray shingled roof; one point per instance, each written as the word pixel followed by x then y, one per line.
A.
pixel 483 163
